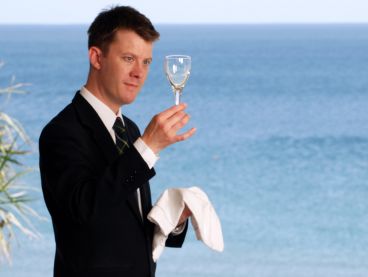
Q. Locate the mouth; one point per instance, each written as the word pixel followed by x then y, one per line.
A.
pixel 131 85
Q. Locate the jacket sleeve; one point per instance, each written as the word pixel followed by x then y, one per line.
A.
pixel 177 240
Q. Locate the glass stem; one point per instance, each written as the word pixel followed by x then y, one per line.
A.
pixel 177 96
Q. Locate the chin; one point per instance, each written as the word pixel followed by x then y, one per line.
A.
pixel 128 94
pixel 129 100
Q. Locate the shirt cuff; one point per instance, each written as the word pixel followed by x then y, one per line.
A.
pixel 147 154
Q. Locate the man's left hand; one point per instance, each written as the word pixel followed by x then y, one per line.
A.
pixel 184 216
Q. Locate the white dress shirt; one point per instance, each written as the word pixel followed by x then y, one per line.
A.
pixel 108 118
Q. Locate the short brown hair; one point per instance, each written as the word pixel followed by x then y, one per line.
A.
pixel 102 30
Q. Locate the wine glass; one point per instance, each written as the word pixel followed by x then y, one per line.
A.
pixel 177 69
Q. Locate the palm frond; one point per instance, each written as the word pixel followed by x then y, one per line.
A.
pixel 14 211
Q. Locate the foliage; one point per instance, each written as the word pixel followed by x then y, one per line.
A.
pixel 14 197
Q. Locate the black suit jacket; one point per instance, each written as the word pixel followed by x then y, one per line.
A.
pixel 89 192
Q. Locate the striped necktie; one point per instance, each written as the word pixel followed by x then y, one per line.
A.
pixel 122 142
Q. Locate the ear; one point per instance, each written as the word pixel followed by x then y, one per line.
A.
pixel 95 54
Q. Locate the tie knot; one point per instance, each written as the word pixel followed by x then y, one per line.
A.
pixel 118 124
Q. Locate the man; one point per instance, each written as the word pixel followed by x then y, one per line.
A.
pixel 95 165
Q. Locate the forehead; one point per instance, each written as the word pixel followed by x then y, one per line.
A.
pixel 129 41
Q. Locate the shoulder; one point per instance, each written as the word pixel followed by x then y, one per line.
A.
pixel 130 124
pixel 132 128
pixel 64 122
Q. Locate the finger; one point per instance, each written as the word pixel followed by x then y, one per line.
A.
pixel 187 211
pixel 186 135
pixel 171 111
pixel 180 123
pixel 176 118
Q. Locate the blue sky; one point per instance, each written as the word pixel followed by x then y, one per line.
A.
pixel 189 11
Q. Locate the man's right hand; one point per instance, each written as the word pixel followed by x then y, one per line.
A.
pixel 162 130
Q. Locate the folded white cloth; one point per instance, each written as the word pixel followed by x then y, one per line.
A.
pixel 168 209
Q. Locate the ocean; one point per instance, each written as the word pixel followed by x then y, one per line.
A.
pixel 281 147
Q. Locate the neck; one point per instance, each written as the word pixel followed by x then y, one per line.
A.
pixel 98 91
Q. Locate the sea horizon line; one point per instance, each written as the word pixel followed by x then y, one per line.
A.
pixel 195 23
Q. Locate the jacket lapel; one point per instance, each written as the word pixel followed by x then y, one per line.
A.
pixel 90 119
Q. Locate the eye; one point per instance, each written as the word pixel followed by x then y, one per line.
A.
pixel 128 59
pixel 147 62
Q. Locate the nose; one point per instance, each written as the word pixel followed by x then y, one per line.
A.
pixel 137 70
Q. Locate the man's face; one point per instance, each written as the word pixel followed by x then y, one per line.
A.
pixel 123 69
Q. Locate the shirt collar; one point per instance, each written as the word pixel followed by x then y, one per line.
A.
pixel 107 116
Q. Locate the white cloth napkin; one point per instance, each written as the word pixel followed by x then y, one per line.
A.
pixel 168 209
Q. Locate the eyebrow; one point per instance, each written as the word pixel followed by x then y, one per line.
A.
pixel 135 56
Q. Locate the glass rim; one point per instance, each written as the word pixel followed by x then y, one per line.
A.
pixel 177 56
